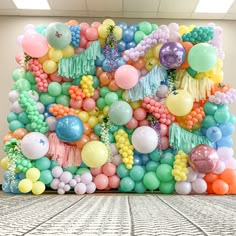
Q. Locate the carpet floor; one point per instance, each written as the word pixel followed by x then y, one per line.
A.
pixel 117 214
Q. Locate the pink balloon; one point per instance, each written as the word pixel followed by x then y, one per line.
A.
pixel 88 44
pixel 34 44
pixel 79 50
pixel 164 143
pixel 83 41
pixel 55 78
pixel 101 181
pixel 19 57
pixel 140 114
pixel 96 94
pixel 163 130
pixel 143 123
pixel 109 169
pixel 91 34
pixel 114 181
pixel 126 76
pixel 96 171
pixel 84 26
pixel 132 124
pixel 95 24
pixel 88 104
pixel 76 104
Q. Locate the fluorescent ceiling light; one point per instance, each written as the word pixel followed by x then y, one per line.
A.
pixel 32 4
pixel 213 6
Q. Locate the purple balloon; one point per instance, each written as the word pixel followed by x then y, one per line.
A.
pixel 86 178
pixel 67 188
pixel 80 188
pixel 172 55
pixel 54 184
pixel 57 171
pixel 91 187
pixel 66 177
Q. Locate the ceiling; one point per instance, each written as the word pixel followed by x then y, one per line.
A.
pixel 178 9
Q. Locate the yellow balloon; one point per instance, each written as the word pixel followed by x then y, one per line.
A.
pixel 38 188
pixel 102 31
pixel 183 29
pixel 4 163
pixel 25 185
pixel 100 118
pixel 179 102
pixel 105 111
pixel 108 22
pixel 118 32
pixel 92 121
pixel 135 105
pixel 55 54
pixel 200 76
pixel 156 50
pixel 68 51
pixel 149 53
pixel 33 174
pixel 94 154
pixel 43 59
pixel 84 116
pixel 102 42
pixel 151 63
pixel 50 66
pixel 94 112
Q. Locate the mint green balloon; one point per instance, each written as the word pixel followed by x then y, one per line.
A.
pixel 221 116
pixel 164 173
pixel 155 155
pixel 23 85
pixel 58 35
pixel 138 36
pixel 15 124
pixel 137 173
pixel 168 158
pixel 154 27
pixel 46 99
pixel 65 88
pixel 104 91
pixel 97 129
pixel 152 166
pixel 208 121
pixel 30 77
pixel 23 118
pixel 122 171
pixel 82 170
pixel 46 176
pixel 191 72
pixel 43 163
pixel 210 108
pixel 110 98
pixel 145 27
pixel 101 103
pixel 167 187
pixel 139 187
pixel 232 119
pixel 202 57
pixel 53 164
pixel 150 181
pixel 16 74
pixel 127 184
pixel 119 92
pixel 63 99
pixel 12 116
pixel 54 89
pixel 95 81
pixel 72 169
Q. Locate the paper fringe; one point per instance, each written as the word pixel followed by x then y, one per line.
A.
pixel 81 64
pixel 199 89
pixel 179 138
pixel 65 155
pixel 148 85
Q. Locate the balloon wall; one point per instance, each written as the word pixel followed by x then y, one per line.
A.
pixel 111 106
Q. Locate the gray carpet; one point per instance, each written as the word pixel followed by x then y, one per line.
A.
pixel 117 214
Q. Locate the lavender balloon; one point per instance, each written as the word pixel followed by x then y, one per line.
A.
pixel 86 178
pixel 80 188
pixel 172 55
pixel 57 171
pixel 91 187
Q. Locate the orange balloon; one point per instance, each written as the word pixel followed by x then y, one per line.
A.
pixel 139 64
pixel 113 86
pixel 87 129
pixel 187 46
pixel 210 178
pixel 99 71
pixel 220 187
pixel 94 137
pixel 7 137
pixel 232 189
pixel 229 176
pixel 209 189
pixel 82 141
pixel 105 78
pixel 20 133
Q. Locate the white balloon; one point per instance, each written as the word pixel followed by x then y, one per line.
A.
pixel 34 145
pixel 13 96
pixel 33 94
pixel 51 121
pixel 145 139
pixel 183 187
pixel 199 185
pixel 192 175
pixel 220 167
pixel 117 159
pixel 16 107
pixel 41 107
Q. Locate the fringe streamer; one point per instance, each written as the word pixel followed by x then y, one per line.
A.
pixel 66 155
pixel 184 140
pixel 81 64
pixel 148 85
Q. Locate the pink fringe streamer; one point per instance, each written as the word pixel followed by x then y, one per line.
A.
pixel 66 155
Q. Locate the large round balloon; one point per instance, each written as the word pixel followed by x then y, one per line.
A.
pixel 69 128
pixel 120 113
pixel 203 158
pixel 172 55
pixel 202 57
pixel 145 139
pixel 179 102
pixel 94 154
pixel 34 145
pixel 58 35
pixel 126 76
pixel 34 44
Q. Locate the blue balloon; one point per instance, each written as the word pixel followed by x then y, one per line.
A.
pixel 226 128
pixel 225 142
pixel 133 27
pixel 121 46
pixel 145 159
pixel 122 24
pixel 6 187
pixel 69 128
pixel 128 35
pixel 120 62
pixel 99 60
pixel 214 134
pixel 130 45
pixel 138 160
pixel 107 65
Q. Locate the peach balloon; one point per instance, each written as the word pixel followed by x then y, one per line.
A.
pixel 20 133
pixel 109 169
pixel 94 137
pixel 99 71
pixel 96 94
pixel 76 104
pixel 140 114
pixel 132 124
pixel 105 78
pixel 82 141
pixel 7 137
pixel 139 64
pixel 101 181
pixel 143 123
pixel 96 171
pixel 88 104
pixel 114 181
pixel 113 86
pixel 87 129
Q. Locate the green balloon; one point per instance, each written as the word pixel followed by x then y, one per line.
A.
pixel 127 184
pixel 76 81
pixel 53 164
pixel 168 158
pixel 104 91
pixel 23 118
pixel 139 187
pixel 167 187
pixel 58 35
pixel 150 181
pixel 110 98
pixel 209 121
pixel 155 155
pixel 122 171
pixel 23 85
pixel 152 166
pixel 137 173
pixel 101 103
pixel 16 74
pixel 114 128
pixel 129 131
pixel 119 92
pixel 15 124
pixel 65 88
pixel 95 81
pixel 154 27
pixel 202 57
pixel 145 27
pixel 54 89
pixel 30 77
pixel 43 163
pixel 46 99
pixel 164 173
pixel 12 116
pixel 97 129
pixel 72 169
pixel 116 116
pixel 63 99
pixel 138 36
pixel 232 119
pixel 221 116
pixel 210 108
pixel 82 170
pixel 29 127
pixel 46 176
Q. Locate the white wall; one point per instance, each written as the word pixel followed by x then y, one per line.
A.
pixel 11 27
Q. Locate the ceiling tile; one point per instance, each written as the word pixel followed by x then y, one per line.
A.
pixel 73 5
pixel 146 5
pixel 132 14
pixel 232 8
pixel 214 16
pixel 177 15
pixel 104 5
pixel 177 5
pixel 105 14
pixel 70 13
pixel 6 4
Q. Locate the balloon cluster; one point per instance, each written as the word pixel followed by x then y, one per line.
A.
pixel 125 148
pixel 180 169
pixel 199 35
pixel 194 117
pixel 228 97
pixel 86 84
pixel 59 110
pixel 9 186
pixel 76 93
pixel 23 164
pixel 75 35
